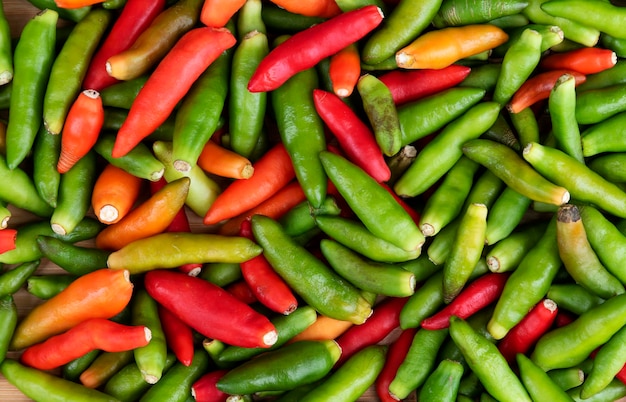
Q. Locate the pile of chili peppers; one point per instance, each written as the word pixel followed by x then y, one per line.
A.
pixel 314 200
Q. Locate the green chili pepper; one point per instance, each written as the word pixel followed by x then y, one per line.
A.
pixel 302 131
pixel 104 366
pixel 12 280
pixel 115 117
pixel 32 60
pixel 567 378
pixel 140 161
pixel 301 218
pixel 485 190
pixel 198 115
pixel 418 363
pixel 150 358
pixel 571 344
pixel 203 190
pixel 518 63
pixel 18 189
pixel 596 105
pixel 537 381
pixel 298 392
pixel 508 252
pixel 617 45
pixel 40 385
pixel 26 243
pixel 282 21
pixel 502 132
pixel 551 35
pixel 8 322
pixel 421 267
pixel 74 259
pixel 606 364
pixel 526 126
pixel 442 384
pixel 46 177
pixel 381 112
pixel 486 361
pixel 400 27
pixel 357 237
pixel 528 284
pixel 573 297
pixel 74 195
pixel 611 166
pixel 613 392
pixel 425 301
pixel 427 115
pixel 46 286
pixel 482 77
pixel 5 96
pixel 175 384
pixel 380 278
pixel 604 136
pixel 352 378
pixel 6 50
pixel 456 12
pixel 562 104
pixel 247 109
pixel 603 16
pixel 113 4
pixel 128 384
pixel 439 249
pixel 123 93
pixel 295 364
pixel 511 168
pixel 606 78
pixel 221 273
pixel 372 203
pixel 572 30
pixel 308 276
pixel 70 66
pixel 72 370
pixel 582 183
pixel 505 215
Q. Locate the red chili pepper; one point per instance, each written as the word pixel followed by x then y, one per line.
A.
pixel 241 291
pixel 395 356
pixel 169 82
pixel 409 85
pixel 178 335
pixel 180 223
pixel 134 18
pixel 538 87
pixel 306 48
pixel 7 239
pixel 354 136
pixel 585 60
pixel 266 285
pixel 563 318
pixel 205 388
pixel 210 310
pixel 526 333
pixel 384 319
pixel 476 296
pixel 92 334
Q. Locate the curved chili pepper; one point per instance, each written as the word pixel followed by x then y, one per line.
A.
pixel 45 287
pixel 12 280
pixel 104 366
pixel 140 162
pixel 75 259
pixel 225 319
pixel 395 355
pixel 605 17
pixel 305 48
pixel 586 60
pixel 562 106
pixel 443 383
pixel 537 88
pixel 537 382
pixel 128 384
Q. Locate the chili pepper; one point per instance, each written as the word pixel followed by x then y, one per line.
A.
pixel 272 172
pixel 321 9
pixel 419 361
pixel 221 273
pixel 114 193
pixel 158 210
pixel 579 259
pixel 220 161
pixel 409 86
pixel 301 218
pixel 144 115
pixel 603 16
pixel 539 87
pixel 567 378
pixel 74 259
pixel 32 60
pixel 8 319
pixel 507 253
pixel 226 319
pixel 104 366
pixel 69 68
pixel 607 363
pixel 217 13
pixel 176 384
pixel 426 116
pixel 613 44
pixel 316 42
pixel 487 363
pixel 586 60
pixel 12 280
pixel 128 384
pixel 604 136
pixel 305 361
pixel 93 333
pixel 353 378
pixel 505 215
pixel 354 136
pixel 443 383
pixel 395 355
pixel 178 335
pixel 280 20
pixel 249 18
pixel 205 387
pixel 140 161
pixel 605 78
pixel 302 132
pixel 344 70
pixel 99 294
pixel 351 181
pixel 440 48
pixel 45 175
pixel 45 287
pixel 517 65
pixel 537 381
pixel 612 104
pixel 573 297
pixel 247 108
pixel 562 105
pixel 551 36
pixel 6 50
pixel 580 33
pixel 455 13
pixel 7 240
pixel 121 94
pixel 509 166
pixel 38 384
pixel 376 277
pixel 615 390
pixel 198 114
pixel 582 182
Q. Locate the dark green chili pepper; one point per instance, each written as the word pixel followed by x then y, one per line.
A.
pixel 72 370
pixel 482 77
pixel 611 166
pixel 505 215
pixel 605 136
pixel 596 105
pixel 40 385
pixel 606 78
pixel 526 126
pixel 282 21
pixel 297 393
pixel 150 358
pixel 485 190
pixel 221 273
pixel 46 286
pixel 8 322
pixel 457 12
pixel 618 45
pixel 301 218
pixel 12 280
pixel 573 297
pixel 140 161
pixel 46 177
pixel 567 378
pixel 32 60
pixel 502 132
pixel 5 95
pixel 315 282
pixel 74 259
pixel 442 384
pixel 128 384
pixel 551 35
pixel 113 4
pixel 17 188
pixel 123 93
pixel 439 249
pixel 114 118
pixel 421 267
pixel 70 66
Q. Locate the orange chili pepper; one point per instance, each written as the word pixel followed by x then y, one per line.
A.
pixel 310 8
pixel 99 294
pixel 223 162
pixel 441 47
pixel 345 70
pixel 114 194
pixel 538 87
pixel 586 60
pixel 169 82
pixel 216 13
pixel 76 3
pixel 323 328
pixel 149 218
pixel 91 334
pixel 81 129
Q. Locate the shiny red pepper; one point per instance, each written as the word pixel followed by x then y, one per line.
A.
pixel 178 335
pixel 210 310
pixel 205 389
pixel 7 239
pixel 242 291
pixel 134 18
pixel 395 356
